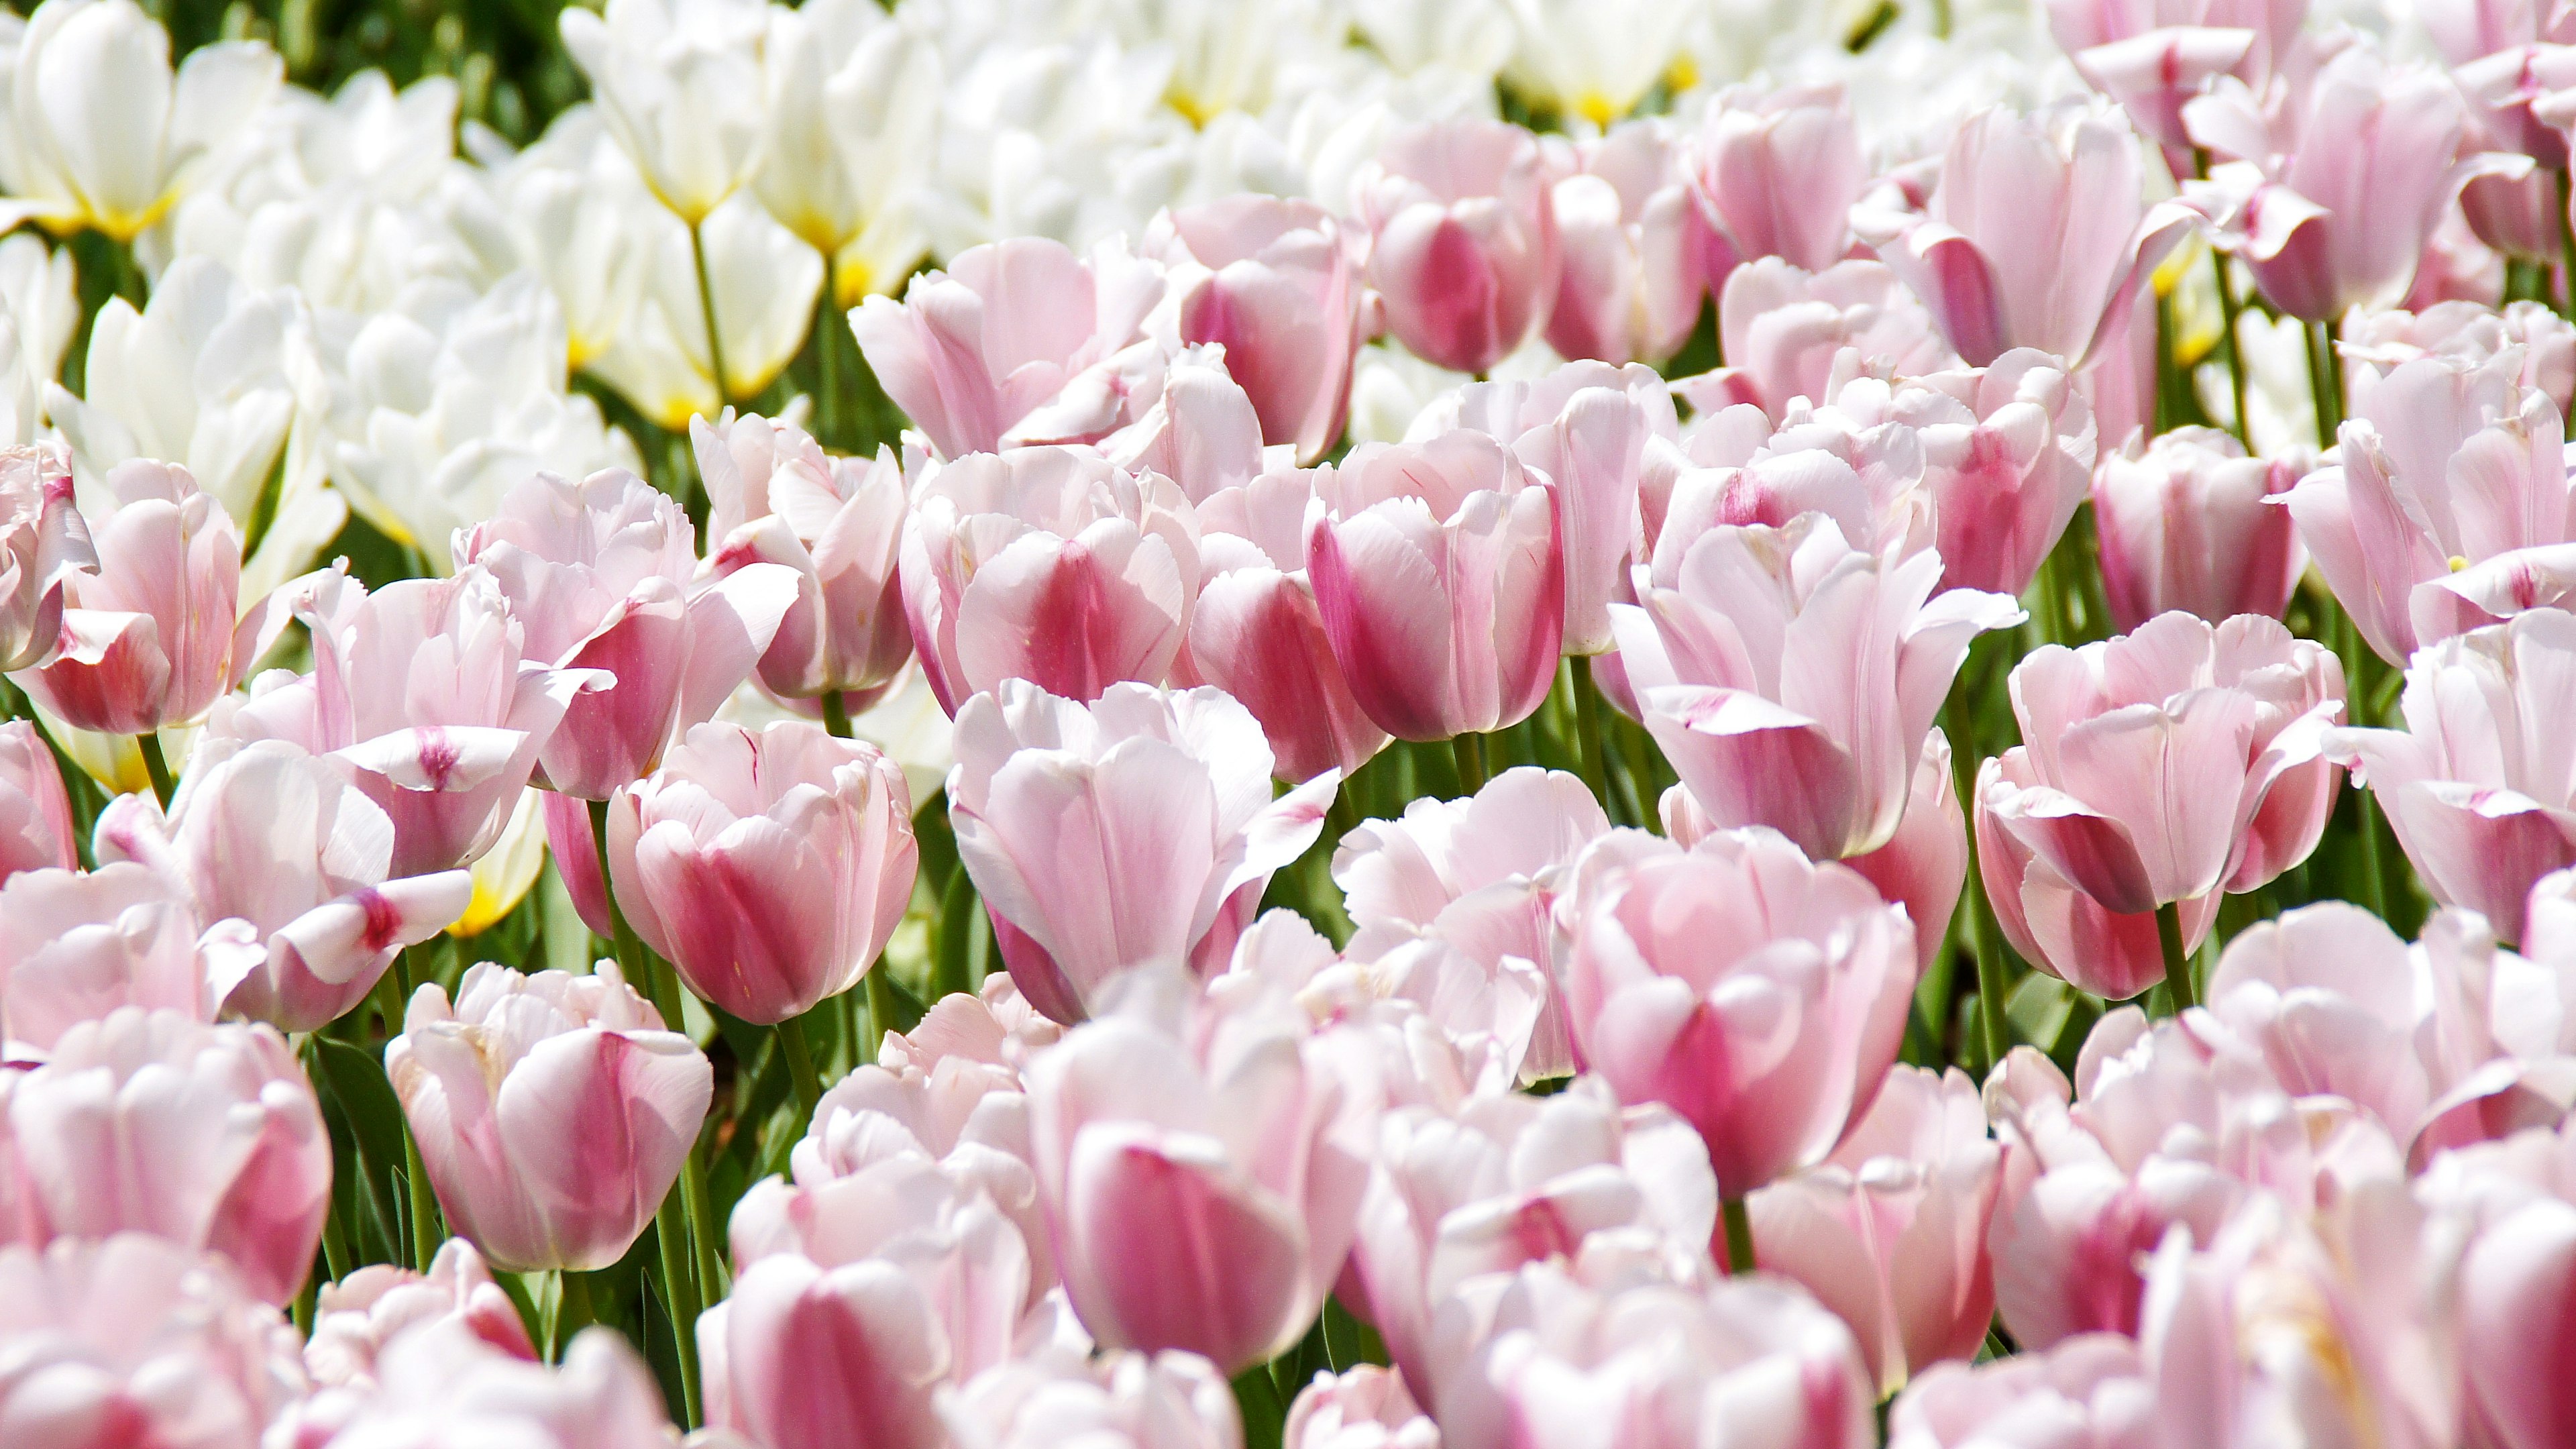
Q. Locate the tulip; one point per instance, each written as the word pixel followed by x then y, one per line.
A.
pixel 1115 1401
pixel 1363 1407
pixel 35 813
pixel 43 541
pixel 1439 572
pixel 1776 175
pixel 444 1388
pixel 1784 328
pixel 2375 344
pixel 769 868
pixel 73 165
pixel 1172 788
pixel 1276 282
pixel 278 838
pixel 681 88
pixel 2188 523
pixel 136 1340
pixel 84 944
pixel 2087 1392
pixel 1596 62
pixel 972 350
pixel 356 1319
pixel 1890 1230
pixel 1683 960
pixel 2472 786
pixel 1463 240
pixel 1720 655
pixel 2007 450
pixel 1220 1141
pixel 2335 186
pixel 759 281
pixel 597 574
pixel 158 633
pixel 1050 565
pixel 2163 768
pixel 239 1163
pixel 774 497
pixel 2036 236
pixel 553 1112
pixel 1670 1365
pixel 1194 425
pixel 847 132
pixel 2514 1286
pixel 1636 249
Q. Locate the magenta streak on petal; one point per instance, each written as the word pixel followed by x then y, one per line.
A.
pixel 384 920
pixel 1068 622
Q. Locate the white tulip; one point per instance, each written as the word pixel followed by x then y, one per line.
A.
pixel 853 110
pixel 680 84
pixel 39 311
pixel 1596 59
pixel 763 282
pixel 583 221
pixel 97 134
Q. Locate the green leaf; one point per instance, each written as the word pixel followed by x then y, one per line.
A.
pixel 375 1113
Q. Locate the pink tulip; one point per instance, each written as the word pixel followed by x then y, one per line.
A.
pixel 2189 523
pixel 2087 1392
pixel 1170 793
pixel 2036 236
pixel 553 1112
pixel 769 868
pixel 1276 282
pixel 2518 99
pixel 422 695
pixel 43 541
pixel 2375 344
pixel 774 497
pixel 2164 767
pixel 442 1387
pixel 1215 1136
pixel 2475 786
pixel 1656 1366
pixel 1759 996
pixel 82 945
pixel 1439 572
pixel 1598 433
pixel 137 1341
pixel 356 1319
pixel 1785 328
pixel 278 838
pixel 35 813
pixel 599 576
pixel 160 631
pixel 1499 1180
pixel 1636 247
pixel 2337 179
pixel 1050 565
pixel 208 1136
pixel 2466 31
pixel 1257 633
pixel 2153 57
pixel 1890 1231
pixel 1362 1407
pixel 1748 654
pixel 1463 240
pixel 2007 451
pixel 996 1027
pixel 974 349
pixel 2515 1285
pixel 1198 429
pixel 1776 175
pixel 1112 1401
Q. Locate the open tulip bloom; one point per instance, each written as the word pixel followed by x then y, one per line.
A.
pixel 1267 724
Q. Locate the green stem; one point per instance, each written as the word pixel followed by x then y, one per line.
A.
pixel 1470 751
pixel 573 1310
pixel 800 1063
pixel 707 309
pixel 2566 246
pixel 2229 309
pixel 2177 962
pixel 424 1206
pixel 827 351
pixel 836 714
pixel 335 1246
pixel 1264 1413
pixel 2325 381
pixel 157 765
pixel 881 1005
pixel 1739 1235
pixel 1587 729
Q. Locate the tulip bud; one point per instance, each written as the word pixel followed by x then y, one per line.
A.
pixel 43 541
pixel 1636 248
pixel 1777 174
pixel 1463 240
pixel 82 944
pixel 1785 328
pixel 553 1112
pixel 240 1162
pixel 2191 524
pixel 680 87
pixel 769 868
pixel 1276 282
pixel 2007 451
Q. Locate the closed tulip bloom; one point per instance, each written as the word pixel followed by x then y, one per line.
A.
pixel 1195 1188
pixel 138 1340
pixel 2477 784
pixel 553 1112
pixel 769 868
pixel 1052 565
pixel 1362 1407
pixel 100 135
pixel 237 1160
pixel 1440 574
pixel 279 838
pixel 43 540
pixel 1168 1400
pixel 359 1317
pixel 2036 235
pixel 2190 523
pixel 849 130
pixel 1684 960
pixel 1890 1231
pixel 972 350
pixel 1171 790
pixel 2164 767
pixel 1276 282
pixel 1463 240
pixel 35 813
pixel 775 497
pixel 680 86
pixel 1743 656
pixel 83 944
pixel 1776 174
pixel 599 575
pixel 161 630
pixel 2007 450
pixel 1636 249
pixel 2088 1392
